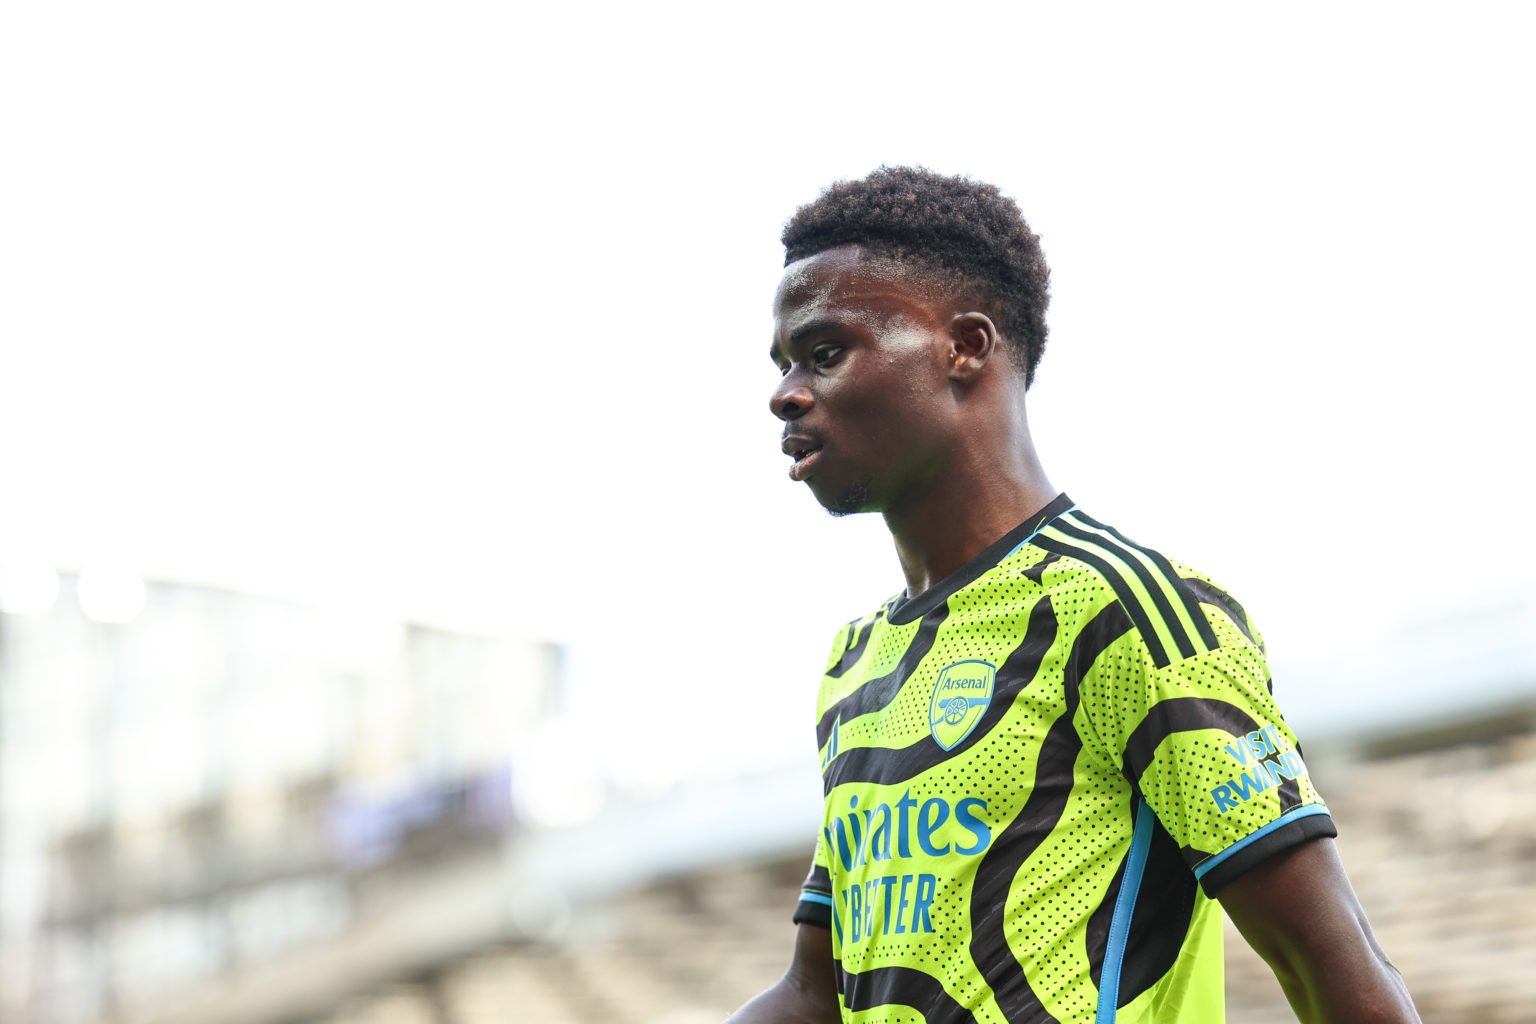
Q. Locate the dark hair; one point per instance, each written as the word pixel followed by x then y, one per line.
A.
pixel 964 235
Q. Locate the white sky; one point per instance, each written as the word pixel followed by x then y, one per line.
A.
pixel 460 311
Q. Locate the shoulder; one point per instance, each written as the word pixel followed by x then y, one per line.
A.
pixel 1177 612
pixel 851 639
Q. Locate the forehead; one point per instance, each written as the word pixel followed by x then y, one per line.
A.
pixel 847 286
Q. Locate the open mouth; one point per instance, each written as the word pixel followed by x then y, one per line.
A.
pixel 805 461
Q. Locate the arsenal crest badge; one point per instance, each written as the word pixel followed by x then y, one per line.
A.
pixel 960 697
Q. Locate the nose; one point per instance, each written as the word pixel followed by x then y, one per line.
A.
pixel 791 399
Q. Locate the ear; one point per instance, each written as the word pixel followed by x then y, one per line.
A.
pixel 973 340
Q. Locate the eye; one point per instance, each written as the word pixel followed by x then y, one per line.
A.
pixel 826 355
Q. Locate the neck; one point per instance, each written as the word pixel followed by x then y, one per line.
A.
pixel 983 492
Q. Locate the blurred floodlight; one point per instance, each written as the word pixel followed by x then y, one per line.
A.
pixel 110 594
pixel 27 588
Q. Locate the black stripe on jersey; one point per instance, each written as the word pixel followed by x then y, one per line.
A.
pixel 1186 714
pixel 1022 836
pixel 1127 599
pixel 1154 590
pixel 1179 583
pixel 1289 791
pixel 1165 905
pixel 1037 570
pixel 855 647
pixel 1214 595
pixel 884 766
pixel 904 986
pixel 877 693
pixel 1180 714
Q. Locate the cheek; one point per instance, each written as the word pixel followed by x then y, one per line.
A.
pixel 892 399
pixel 915 387
pixel 870 415
pixel 887 380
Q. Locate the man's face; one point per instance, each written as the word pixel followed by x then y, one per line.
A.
pixel 866 399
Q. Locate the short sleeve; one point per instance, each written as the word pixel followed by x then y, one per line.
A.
pixel 1204 744
pixel 815 905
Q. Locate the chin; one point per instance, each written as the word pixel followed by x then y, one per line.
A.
pixel 848 500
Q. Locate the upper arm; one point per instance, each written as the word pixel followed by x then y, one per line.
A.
pixel 1299 912
pixel 1203 742
pixel 812 970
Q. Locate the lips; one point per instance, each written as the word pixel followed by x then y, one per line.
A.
pixel 805 450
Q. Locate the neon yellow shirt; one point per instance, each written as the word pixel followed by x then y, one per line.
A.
pixel 1037 775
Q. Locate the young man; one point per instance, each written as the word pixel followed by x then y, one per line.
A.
pixel 1047 759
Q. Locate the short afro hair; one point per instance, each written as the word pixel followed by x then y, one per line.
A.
pixel 964 234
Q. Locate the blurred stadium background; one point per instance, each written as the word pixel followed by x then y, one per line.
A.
pixel 387 491
pixel 225 807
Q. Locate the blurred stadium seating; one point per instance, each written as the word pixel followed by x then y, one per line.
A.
pixel 1437 827
pixel 239 810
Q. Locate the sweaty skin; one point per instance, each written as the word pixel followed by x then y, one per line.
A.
pixel 910 404
pixel 915 404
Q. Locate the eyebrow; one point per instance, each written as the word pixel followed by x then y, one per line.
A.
pixel 799 334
